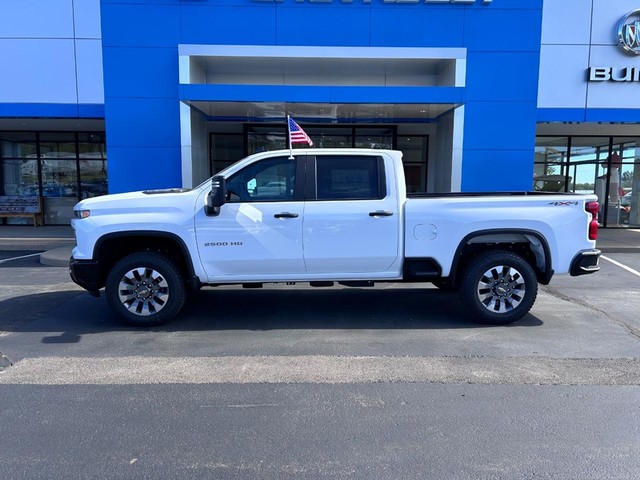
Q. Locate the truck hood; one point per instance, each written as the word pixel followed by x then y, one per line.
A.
pixel 140 202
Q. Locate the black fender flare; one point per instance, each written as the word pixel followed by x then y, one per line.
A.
pixel 193 279
pixel 544 277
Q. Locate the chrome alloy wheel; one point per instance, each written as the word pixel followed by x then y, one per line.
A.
pixel 501 289
pixel 143 291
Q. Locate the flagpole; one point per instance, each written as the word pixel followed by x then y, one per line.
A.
pixel 289 135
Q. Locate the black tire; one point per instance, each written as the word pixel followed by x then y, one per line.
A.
pixel 145 289
pixel 498 288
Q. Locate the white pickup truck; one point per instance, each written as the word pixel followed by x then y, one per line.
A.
pixel 323 216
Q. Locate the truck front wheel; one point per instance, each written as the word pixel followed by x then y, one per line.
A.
pixel 145 289
pixel 499 287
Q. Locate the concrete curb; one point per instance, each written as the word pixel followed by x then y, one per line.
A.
pixel 58 257
pixel 35 244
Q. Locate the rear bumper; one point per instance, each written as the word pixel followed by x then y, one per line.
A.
pixel 86 273
pixel 585 262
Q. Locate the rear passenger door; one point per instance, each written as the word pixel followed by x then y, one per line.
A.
pixel 351 217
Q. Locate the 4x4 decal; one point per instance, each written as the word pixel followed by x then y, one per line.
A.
pixel 562 204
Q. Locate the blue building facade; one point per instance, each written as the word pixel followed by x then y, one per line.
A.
pixel 480 95
pixel 144 43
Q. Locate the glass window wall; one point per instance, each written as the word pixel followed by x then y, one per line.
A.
pixel 414 158
pixel 381 138
pixel 625 168
pixel 606 166
pixel 550 165
pixel 332 137
pixel 226 148
pixel 61 167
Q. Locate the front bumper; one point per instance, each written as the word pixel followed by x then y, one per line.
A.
pixel 585 262
pixel 87 274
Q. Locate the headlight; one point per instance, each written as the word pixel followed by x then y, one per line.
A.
pixel 82 213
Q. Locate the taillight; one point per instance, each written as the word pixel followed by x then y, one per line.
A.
pixel 592 208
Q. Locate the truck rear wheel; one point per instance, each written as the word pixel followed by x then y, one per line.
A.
pixel 499 287
pixel 145 289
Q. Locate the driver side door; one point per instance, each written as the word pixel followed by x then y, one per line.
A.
pixel 258 233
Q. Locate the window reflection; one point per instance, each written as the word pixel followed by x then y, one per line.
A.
pixel 59 178
pixel 20 177
pixel 550 165
pixel 63 167
pixel 91 146
pixel 93 178
pixel 332 137
pixel 58 145
pixel 17 145
pixel 628 176
pixel 606 166
pixel 267 180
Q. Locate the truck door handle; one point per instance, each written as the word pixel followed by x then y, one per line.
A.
pixel 286 215
pixel 380 213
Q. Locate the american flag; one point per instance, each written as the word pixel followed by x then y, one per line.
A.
pixel 297 134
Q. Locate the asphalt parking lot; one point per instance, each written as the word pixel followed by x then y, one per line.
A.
pixel 590 316
pixel 299 382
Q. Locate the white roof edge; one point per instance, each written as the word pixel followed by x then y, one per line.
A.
pixel 321 52
pixel 312 151
pixel 230 170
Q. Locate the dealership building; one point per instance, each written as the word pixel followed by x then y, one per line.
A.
pixel 104 96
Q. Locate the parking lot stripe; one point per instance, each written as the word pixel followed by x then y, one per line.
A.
pixel 19 258
pixel 320 369
pixel 628 269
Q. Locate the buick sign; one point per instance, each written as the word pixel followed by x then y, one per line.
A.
pixel 629 33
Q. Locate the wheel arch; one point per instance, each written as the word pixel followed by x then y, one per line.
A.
pixel 530 244
pixel 112 247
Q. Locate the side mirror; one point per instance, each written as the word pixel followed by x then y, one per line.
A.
pixel 217 196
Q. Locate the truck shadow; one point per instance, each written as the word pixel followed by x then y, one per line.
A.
pixel 348 308
pixel 73 313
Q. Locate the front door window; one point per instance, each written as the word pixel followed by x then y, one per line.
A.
pixel 266 181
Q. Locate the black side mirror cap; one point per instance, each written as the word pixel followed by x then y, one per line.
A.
pixel 217 196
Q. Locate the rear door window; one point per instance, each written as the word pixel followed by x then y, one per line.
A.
pixel 349 177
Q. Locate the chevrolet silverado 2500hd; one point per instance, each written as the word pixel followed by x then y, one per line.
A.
pixel 324 216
